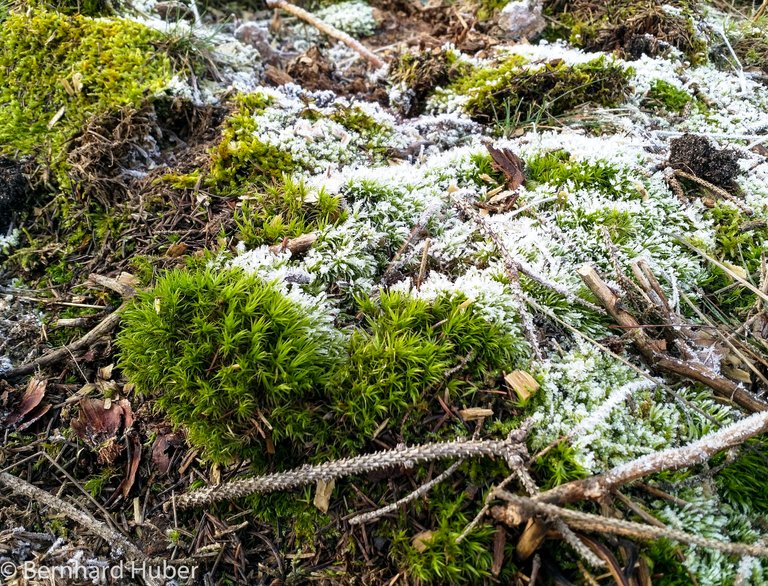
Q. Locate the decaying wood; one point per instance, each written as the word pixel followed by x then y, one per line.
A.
pixel 329 30
pixel 597 487
pixel 654 351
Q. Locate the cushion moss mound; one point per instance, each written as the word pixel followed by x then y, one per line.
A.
pixel 57 70
pixel 224 353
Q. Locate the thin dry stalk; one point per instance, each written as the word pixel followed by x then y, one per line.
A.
pixel 329 30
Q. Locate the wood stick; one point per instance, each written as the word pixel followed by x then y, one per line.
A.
pixel 329 30
pixel 104 327
pixel 654 353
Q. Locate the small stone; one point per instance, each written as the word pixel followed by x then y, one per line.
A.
pixel 521 19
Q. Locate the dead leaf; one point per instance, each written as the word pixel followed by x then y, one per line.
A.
pixel 475 413
pixel 105 372
pixel 161 448
pixel 522 383
pixel 177 249
pixel 499 541
pixel 421 541
pixel 323 492
pixel 510 164
pixel 56 117
pixel 101 427
pixel 32 397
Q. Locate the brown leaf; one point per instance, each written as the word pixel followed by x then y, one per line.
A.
pixel 421 541
pixel 100 426
pixel 29 401
pixel 131 467
pixel 613 565
pixel 177 249
pixel 160 457
pixel 510 164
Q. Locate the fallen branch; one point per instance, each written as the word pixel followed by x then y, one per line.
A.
pixel 596 487
pixel 520 509
pixel 654 353
pixel 104 327
pixel 329 30
pixel 404 456
pixel 116 540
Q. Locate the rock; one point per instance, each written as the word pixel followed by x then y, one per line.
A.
pixel 250 33
pixel 521 19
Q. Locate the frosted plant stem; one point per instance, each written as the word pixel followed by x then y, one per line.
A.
pixel 519 509
pixel 329 30
pixel 405 456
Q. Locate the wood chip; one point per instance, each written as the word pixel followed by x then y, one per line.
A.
pixel 475 413
pixel 323 492
pixel 522 383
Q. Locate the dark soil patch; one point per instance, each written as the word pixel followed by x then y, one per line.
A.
pixel 698 156
pixel 15 190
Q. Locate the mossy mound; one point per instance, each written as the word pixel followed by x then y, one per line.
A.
pixel 630 28
pixel 513 90
pixel 58 70
pixel 421 73
pixel 407 351
pixel 750 43
pixel 230 358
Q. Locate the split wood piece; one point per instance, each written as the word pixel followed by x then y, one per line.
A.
pixel 329 30
pixel 104 327
pixel 116 540
pixel 406 456
pixel 123 289
pixel 520 509
pixel 596 487
pixel 295 245
pixel 654 353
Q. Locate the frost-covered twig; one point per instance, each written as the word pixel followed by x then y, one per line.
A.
pixel 739 66
pixel 596 487
pixel 422 490
pixel 714 188
pixel 406 456
pixel 329 30
pixel 519 509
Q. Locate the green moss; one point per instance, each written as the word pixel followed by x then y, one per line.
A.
pixel 557 168
pixel 283 211
pixel 51 63
pixel 223 354
pixel 487 9
pixel 513 91
pixel 743 481
pixel 558 466
pixel 630 28
pixel 84 7
pixel 400 359
pixel 663 95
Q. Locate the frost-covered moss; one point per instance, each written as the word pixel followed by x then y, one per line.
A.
pixel 354 17
pixel 57 70
pixel 513 88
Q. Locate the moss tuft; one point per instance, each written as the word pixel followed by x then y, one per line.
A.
pixel 284 210
pixel 549 90
pixel 402 355
pixel 224 353
pixel 663 95
pixel 58 70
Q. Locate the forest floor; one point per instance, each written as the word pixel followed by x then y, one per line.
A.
pixel 464 292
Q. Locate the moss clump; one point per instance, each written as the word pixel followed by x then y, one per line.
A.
pixel 663 95
pixel 403 354
pixel 241 157
pixel 630 28
pixel 557 168
pixel 84 7
pixel 284 210
pixel 750 43
pixel 58 70
pixel 421 73
pixel 224 353
pixel 552 89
